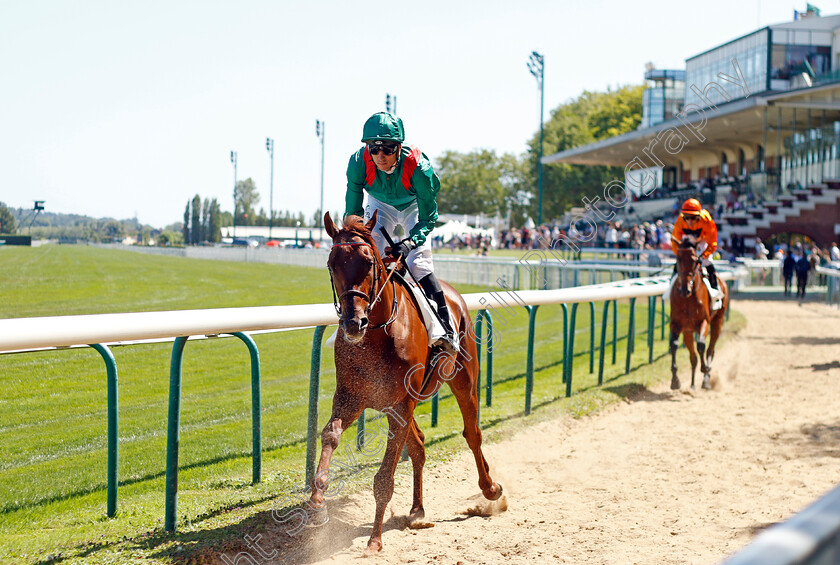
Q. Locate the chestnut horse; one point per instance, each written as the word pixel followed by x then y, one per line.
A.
pixel 383 361
pixel 691 313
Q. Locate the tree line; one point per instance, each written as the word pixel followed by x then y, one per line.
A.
pixel 477 182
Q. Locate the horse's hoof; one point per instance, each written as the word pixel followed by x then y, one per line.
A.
pixel 496 496
pixel 374 546
pixel 675 383
pixel 707 383
pixel 416 514
pixel 317 516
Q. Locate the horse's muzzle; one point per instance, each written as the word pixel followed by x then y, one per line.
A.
pixel 354 328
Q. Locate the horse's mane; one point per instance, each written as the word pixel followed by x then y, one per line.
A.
pixel 688 242
pixel 355 226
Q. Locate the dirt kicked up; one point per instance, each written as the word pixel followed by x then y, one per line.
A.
pixel 665 478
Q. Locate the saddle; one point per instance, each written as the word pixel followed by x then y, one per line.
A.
pixel 434 329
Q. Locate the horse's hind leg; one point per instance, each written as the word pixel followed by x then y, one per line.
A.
pixel 463 387
pixel 688 338
pixel 415 444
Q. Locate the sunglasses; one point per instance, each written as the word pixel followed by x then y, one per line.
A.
pixel 386 149
pixel 690 217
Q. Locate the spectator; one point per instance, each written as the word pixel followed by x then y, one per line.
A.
pixel 803 265
pixel 788 264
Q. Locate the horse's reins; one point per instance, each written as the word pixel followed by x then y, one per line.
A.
pixel 370 298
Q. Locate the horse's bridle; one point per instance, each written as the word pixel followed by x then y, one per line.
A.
pixel 691 274
pixel 371 299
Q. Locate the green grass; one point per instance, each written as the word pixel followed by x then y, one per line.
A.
pixel 53 417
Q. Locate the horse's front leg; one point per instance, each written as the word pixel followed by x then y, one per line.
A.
pixel 674 345
pixel 415 444
pixel 705 367
pixel 688 338
pixel 399 419
pixel 330 436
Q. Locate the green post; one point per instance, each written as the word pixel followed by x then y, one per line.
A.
pixel 173 435
pixel 614 329
pixel 113 426
pixel 360 431
pixel 662 319
pixel 489 373
pixel 256 407
pixel 591 337
pixel 603 342
pixel 565 337
pixel 314 391
pixel 529 371
pixel 435 402
pixel 651 324
pixel 630 333
pixel 570 351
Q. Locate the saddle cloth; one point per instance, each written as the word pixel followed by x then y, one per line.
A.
pixel 434 329
pixel 715 295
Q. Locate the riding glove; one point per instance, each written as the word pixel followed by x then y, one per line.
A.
pixel 403 248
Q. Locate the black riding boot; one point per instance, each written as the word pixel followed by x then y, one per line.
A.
pixel 710 269
pixel 431 286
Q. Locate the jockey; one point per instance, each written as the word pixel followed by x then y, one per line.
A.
pixel 696 221
pixel 402 187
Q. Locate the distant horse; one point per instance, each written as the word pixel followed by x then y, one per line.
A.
pixel 690 313
pixel 383 361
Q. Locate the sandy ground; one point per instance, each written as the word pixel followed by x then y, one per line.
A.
pixel 663 478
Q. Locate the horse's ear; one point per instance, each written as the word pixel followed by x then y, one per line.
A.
pixel 330 226
pixel 370 225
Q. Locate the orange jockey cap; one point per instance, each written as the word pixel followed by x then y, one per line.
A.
pixel 692 207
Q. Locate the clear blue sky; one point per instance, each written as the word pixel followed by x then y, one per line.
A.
pixel 110 108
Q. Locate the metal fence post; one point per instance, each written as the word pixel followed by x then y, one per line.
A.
pixel 630 333
pixel 314 391
pixel 529 371
pixel 113 426
pixel 489 372
pixel 173 434
pixel 570 351
pixel 603 342
pixel 256 407
pixel 591 337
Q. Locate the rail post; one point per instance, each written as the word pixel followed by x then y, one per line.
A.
pixel 314 390
pixel 113 426
pixel 591 337
pixel 570 351
pixel 630 333
pixel 173 434
pixel 603 342
pixel 529 371
pixel 256 407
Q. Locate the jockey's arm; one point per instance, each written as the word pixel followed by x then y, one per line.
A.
pixel 710 233
pixel 355 188
pixel 427 186
pixel 677 235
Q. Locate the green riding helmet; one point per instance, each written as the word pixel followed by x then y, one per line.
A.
pixel 383 126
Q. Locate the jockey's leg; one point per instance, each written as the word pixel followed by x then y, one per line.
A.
pixel 385 218
pixel 431 286
pixel 710 268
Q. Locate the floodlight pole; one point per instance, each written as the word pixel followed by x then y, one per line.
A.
pixel 321 132
pixel 233 158
pixel 269 145
pixel 536 64
pixel 388 99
